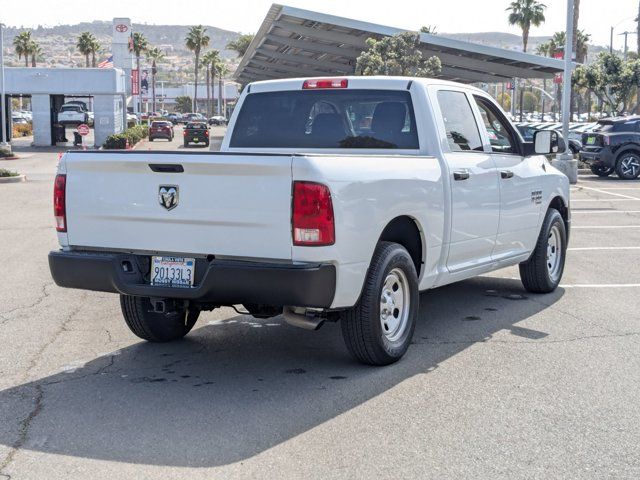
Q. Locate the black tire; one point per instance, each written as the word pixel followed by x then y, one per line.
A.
pixel 601 170
pixel 536 273
pixel 628 165
pixel 151 139
pixel 186 144
pixel 153 326
pixel 362 325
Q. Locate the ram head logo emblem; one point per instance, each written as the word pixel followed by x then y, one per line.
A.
pixel 168 196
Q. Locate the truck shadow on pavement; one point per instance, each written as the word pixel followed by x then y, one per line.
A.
pixel 238 387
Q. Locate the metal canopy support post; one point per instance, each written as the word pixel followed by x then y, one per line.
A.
pixel 564 161
pixel 3 109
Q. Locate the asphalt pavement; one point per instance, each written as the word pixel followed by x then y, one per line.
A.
pixel 499 383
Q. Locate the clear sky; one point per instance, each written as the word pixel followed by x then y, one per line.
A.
pixel 457 16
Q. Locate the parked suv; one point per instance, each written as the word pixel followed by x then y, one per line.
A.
pixel 613 145
pixel 161 129
pixel 72 114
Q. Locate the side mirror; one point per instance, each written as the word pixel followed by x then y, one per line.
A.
pixel 547 141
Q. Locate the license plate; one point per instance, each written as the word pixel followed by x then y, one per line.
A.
pixel 591 140
pixel 172 271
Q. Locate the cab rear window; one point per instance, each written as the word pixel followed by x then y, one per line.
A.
pixel 376 119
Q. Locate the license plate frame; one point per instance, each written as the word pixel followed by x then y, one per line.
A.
pixel 170 271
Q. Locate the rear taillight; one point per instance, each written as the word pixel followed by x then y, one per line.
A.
pixel 206 133
pixel 312 215
pixel 184 132
pixel 59 202
pixel 325 83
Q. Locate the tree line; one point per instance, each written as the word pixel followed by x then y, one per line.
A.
pixel 196 41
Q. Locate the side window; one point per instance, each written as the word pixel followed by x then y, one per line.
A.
pixel 459 121
pixel 500 135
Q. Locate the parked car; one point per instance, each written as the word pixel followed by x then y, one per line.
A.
pixel 174 118
pixel 304 213
pixel 72 114
pixel 19 120
pixel 161 129
pixel 613 146
pixel 528 130
pixel 193 117
pixel 196 132
pixel 217 120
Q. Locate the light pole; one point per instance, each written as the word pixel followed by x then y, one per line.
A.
pixel 564 161
pixel 3 108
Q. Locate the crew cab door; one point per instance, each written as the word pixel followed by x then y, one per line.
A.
pixel 520 189
pixel 473 181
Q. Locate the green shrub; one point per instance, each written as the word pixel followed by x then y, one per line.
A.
pixel 132 135
pixel 7 173
pixel 22 130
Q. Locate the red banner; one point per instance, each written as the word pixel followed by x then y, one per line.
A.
pixel 557 78
pixel 134 82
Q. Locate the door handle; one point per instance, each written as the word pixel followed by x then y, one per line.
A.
pixel 506 173
pixel 461 175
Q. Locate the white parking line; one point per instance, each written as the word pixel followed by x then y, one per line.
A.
pixel 612 188
pixel 604 200
pixel 602 285
pixel 610 193
pixel 581 249
pixel 591 212
pixel 583 227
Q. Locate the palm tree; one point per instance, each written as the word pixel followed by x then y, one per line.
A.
pixel 556 44
pixel 140 45
pixel 85 45
pixel 155 56
pixel 525 13
pixel 576 16
pixel 221 70
pixel 209 60
pixel 240 44
pixel 196 40
pixel 22 45
pixel 95 48
pixel 35 51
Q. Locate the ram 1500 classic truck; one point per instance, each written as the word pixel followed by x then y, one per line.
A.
pixel 332 199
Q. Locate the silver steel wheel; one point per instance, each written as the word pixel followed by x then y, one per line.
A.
pixel 554 253
pixel 630 166
pixel 394 305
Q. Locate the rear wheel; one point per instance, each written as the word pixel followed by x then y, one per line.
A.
pixel 628 166
pixel 378 330
pixel 153 326
pixel 601 170
pixel 543 271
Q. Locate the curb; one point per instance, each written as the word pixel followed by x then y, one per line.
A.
pixel 18 179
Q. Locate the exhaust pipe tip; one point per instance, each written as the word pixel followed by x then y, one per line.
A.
pixel 301 321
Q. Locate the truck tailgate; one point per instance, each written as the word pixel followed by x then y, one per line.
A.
pixel 228 204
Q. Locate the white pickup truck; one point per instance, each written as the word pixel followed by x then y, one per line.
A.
pixel 334 199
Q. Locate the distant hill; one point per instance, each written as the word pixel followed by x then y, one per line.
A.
pixel 511 41
pixel 59 45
